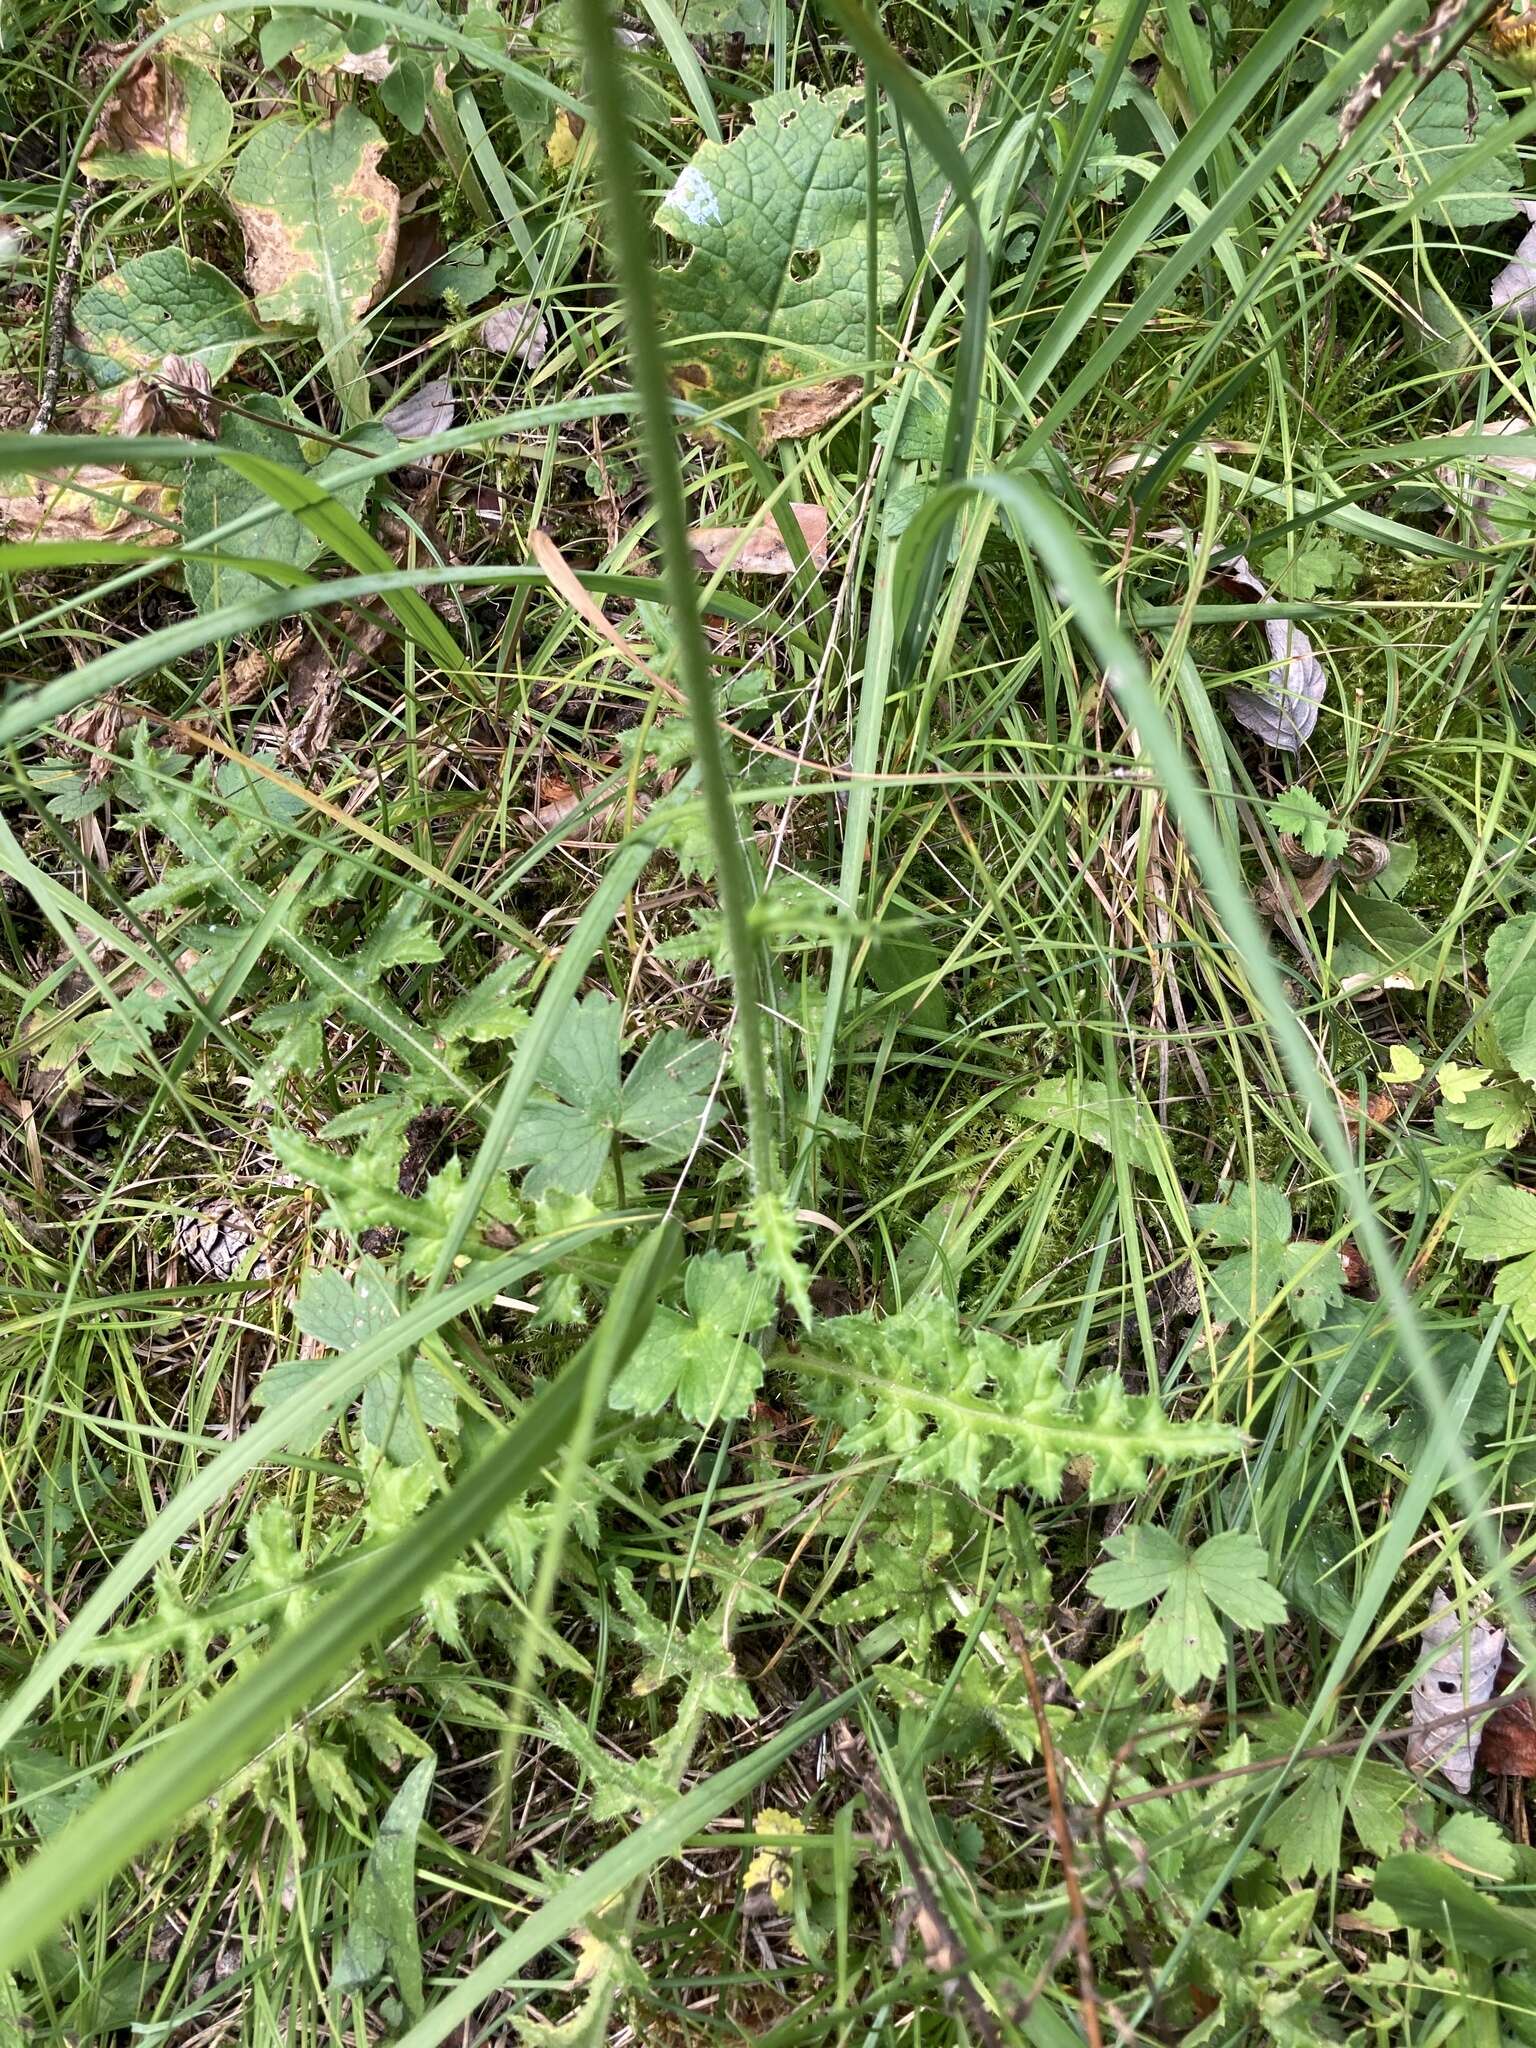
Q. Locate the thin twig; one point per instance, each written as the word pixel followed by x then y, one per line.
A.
pixel 58 324
pixel 1077 1925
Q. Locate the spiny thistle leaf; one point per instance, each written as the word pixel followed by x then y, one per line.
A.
pixel 986 1414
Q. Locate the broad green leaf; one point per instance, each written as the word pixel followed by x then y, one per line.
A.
pixel 1473 1099
pixel 213 495
pixel 340 1313
pixel 1083 1107
pixel 1420 145
pixel 381 1934
pixel 749 19
pixel 161 304
pixel 1426 1893
pixel 166 119
pixel 772 288
pixel 1511 965
pixel 663 1103
pixel 703 1360
pixel 1183 1642
pixel 320 219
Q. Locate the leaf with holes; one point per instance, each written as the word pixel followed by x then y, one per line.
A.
pixel 161 304
pixel 772 291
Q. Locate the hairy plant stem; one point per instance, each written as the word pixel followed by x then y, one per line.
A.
pixel 631 251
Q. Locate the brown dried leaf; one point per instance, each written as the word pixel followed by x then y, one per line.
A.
pixel 759 550
pixel 1509 1738
pixel 808 408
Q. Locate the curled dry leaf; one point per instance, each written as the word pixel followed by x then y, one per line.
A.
pixel 175 398
pixel 1284 712
pixel 1513 293
pixel 166 114
pixel 1459 1681
pixel 1483 493
pixel 517 330
pixel 759 550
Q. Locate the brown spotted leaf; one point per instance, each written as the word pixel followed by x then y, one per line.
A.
pixel 320 219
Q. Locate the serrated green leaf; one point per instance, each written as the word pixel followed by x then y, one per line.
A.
pixel 159 304
pixel 1305 1831
pixel 1473 1840
pixel 1298 812
pixel 663 1104
pixel 381 1933
pixel 1183 1642
pixel 981 1412
pixel 319 218
pixel 702 1361
pixel 772 292
pixel 1257 1216
pixel 1496 1220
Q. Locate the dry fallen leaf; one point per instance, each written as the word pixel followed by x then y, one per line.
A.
pixel 1513 293
pixel 759 550
pixel 1460 1680
pixel 88 504
pixel 1480 495
pixel 1284 712
pixel 808 408
pixel 427 410
pixel 1509 1733
pixel 516 329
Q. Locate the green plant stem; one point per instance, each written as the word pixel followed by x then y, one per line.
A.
pixel 631 246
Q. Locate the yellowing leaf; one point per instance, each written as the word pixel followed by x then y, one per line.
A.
pixel 563 143
pixel 1404 1067
pixel 161 304
pixel 320 219
pixel 772 1868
